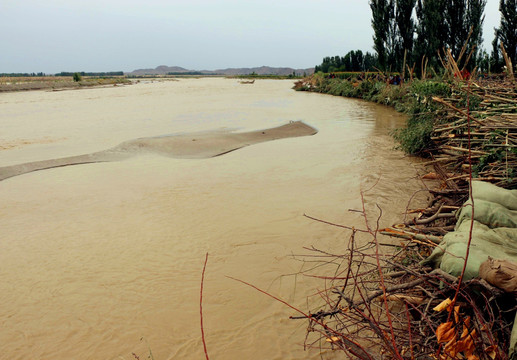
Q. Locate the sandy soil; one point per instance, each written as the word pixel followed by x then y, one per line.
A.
pixel 55 83
pixel 195 145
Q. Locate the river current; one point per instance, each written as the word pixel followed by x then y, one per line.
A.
pixel 100 261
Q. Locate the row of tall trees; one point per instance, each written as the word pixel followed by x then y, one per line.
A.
pixel 438 24
pixel 416 30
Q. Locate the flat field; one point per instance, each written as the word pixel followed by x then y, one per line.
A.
pixel 56 82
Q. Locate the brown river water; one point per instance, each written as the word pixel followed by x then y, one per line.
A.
pixel 100 261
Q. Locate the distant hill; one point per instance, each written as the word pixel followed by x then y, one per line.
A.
pixel 263 70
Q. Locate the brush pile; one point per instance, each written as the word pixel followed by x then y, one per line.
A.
pixel 478 133
pixel 377 302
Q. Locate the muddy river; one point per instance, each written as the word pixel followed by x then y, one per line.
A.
pixel 103 260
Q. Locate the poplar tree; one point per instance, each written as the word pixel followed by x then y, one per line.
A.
pixel 455 25
pixel 394 27
pixel 405 28
pixel 496 63
pixel 473 20
pixel 382 20
pixel 507 30
pixel 431 36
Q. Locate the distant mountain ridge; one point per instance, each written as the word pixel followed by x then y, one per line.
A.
pixel 262 70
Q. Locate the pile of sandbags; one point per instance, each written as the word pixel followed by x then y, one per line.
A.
pixel 494 232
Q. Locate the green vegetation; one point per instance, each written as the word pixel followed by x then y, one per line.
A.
pixel 352 61
pixel 446 117
pixel 412 35
pixel 77 77
pixel 439 24
pixel 271 77
pixel 40 74
pixel 92 74
pixel 191 73
pixel 414 99
pixel 506 34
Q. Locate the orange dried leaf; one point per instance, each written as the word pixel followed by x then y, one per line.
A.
pixel 431 176
pixel 457 314
pixel 443 305
pixel 465 345
pixel 451 348
pixel 466 322
pixel 333 339
pixel 491 351
pixel 445 332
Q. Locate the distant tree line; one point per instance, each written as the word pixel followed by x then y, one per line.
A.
pixel 98 74
pixel 22 74
pixel 415 32
pixel 186 73
pixel 355 60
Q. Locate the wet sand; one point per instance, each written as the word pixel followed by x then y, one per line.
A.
pixel 186 146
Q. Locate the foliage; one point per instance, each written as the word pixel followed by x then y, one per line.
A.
pixel 40 74
pixel 268 76
pixel 416 136
pixel 430 88
pixel 77 77
pixel 405 30
pixel 393 26
pixel 460 17
pixel 493 156
pixel 496 60
pixel 429 31
pixel 446 24
pixel 382 15
pixel 413 99
pixel 96 74
pixel 507 31
pixel 354 60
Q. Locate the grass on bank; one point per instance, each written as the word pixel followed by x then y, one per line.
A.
pixel 442 112
pixel 414 99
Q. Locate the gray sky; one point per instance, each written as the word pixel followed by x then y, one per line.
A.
pixel 111 35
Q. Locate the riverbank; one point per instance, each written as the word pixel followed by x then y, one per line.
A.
pixel 56 83
pixel 440 113
pixel 465 130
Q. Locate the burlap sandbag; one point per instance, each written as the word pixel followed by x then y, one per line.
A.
pixel 500 273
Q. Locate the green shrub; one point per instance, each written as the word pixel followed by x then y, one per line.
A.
pixel 430 88
pixel 414 99
pixel 77 77
pixel 416 137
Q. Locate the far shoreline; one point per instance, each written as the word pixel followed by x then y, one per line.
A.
pixel 57 83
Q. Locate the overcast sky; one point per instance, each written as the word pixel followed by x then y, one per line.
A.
pixel 112 35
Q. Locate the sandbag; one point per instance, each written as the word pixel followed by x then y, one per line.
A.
pixel 449 255
pixel 490 192
pixel 500 273
pixel 494 236
pixel 488 213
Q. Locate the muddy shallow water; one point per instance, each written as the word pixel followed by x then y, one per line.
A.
pixel 100 261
